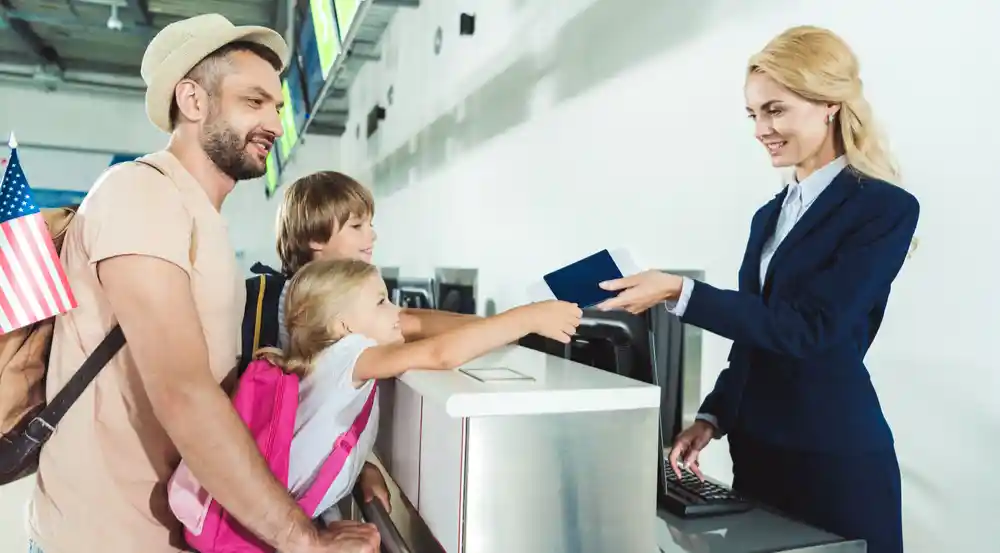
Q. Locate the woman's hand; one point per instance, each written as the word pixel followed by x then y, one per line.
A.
pixel 688 445
pixel 373 486
pixel 638 293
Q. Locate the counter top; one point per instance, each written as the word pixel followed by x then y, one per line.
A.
pixel 753 531
pixel 531 382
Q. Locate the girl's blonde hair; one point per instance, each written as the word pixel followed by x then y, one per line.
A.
pixel 317 295
pixel 818 65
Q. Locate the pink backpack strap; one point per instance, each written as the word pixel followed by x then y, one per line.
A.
pixel 342 448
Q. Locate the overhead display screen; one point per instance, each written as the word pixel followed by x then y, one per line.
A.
pixel 293 115
pixel 345 14
pixel 271 177
pixel 323 32
pixel 316 54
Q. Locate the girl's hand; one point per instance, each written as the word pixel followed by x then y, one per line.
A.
pixel 637 293
pixel 552 319
pixel 373 486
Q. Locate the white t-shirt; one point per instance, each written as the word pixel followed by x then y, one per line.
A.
pixel 328 405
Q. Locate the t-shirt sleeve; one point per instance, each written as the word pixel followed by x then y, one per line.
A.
pixel 136 211
pixel 335 366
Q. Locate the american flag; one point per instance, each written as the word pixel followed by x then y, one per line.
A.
pixel 33 286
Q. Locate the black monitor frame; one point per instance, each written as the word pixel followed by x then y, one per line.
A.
pixel 420 288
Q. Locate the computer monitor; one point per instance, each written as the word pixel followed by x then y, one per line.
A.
pixel 456 289
pixel 647 348
pixel 416 293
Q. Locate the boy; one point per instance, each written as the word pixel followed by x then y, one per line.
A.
pixel 325 215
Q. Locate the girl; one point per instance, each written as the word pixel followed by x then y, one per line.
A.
pixel 344 334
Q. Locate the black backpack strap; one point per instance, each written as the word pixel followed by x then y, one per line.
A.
pixel 260 315
pixel 19 449
pixel 148 164
pixel 261 269
pixel 41 427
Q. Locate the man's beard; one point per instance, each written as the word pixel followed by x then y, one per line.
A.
pixel 228 151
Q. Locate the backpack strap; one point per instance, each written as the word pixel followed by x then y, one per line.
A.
pixel 259 268
pixel 260 315
pixel 334 462
pixel 41 427
pixel 258 312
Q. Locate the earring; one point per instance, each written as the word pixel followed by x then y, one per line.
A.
pixel 829 119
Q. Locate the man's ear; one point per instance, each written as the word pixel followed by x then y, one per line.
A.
pixel 192 101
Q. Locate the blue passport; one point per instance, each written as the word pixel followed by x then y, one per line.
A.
pixel 579 282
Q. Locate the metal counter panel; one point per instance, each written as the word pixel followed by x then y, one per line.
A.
pixel 755 531
pixel 561 483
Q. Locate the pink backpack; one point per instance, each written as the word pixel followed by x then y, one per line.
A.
pixel 266 399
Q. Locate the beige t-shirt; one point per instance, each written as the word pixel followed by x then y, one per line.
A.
pixel 102 478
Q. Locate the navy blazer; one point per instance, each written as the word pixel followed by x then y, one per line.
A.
pixel 796 375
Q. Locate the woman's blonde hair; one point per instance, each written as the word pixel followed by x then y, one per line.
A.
pixel 818 65
pixel 317 295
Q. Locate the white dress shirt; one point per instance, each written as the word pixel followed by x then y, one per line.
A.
pixel 799 197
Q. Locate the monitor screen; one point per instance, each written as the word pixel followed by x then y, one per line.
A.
pixel 346 10
pixel 293 115
pixel 322 26
pixel 456 298
pixel 273 172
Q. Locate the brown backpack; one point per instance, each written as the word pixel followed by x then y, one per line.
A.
pixel 24 352
pixel 26 420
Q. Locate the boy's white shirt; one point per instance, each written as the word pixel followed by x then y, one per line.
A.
pixel 328 406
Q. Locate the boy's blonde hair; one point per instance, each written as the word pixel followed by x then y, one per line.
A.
pixel 312 209
pixel 317 295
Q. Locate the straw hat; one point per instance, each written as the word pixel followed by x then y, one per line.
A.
pixel 178 47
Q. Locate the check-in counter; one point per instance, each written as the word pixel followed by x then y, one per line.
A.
pixel 527 452
pixel 756 530
pixel 522 451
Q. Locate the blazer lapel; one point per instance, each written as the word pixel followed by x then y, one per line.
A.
pixel 762 228
pixel 829 199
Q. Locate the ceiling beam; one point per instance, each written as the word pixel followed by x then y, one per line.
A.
pixel 111 69
pixel 326 129
pixel 140 8
pixel 29 37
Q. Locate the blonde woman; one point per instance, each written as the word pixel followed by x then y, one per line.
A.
pixel 806 431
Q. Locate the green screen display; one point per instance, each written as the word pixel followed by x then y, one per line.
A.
pixel 345 14
pixel 327 41
pixel 271 177
pixel 291 134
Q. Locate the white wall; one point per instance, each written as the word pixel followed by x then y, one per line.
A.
pixel 562 128
pixel 76 135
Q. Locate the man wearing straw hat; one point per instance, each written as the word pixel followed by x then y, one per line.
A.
pixel 150 251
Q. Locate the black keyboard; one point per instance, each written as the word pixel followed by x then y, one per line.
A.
pixel 690 497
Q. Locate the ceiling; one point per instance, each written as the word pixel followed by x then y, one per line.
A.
pixel 98 44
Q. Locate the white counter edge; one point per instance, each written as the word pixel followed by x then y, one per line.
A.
pixel 537 402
